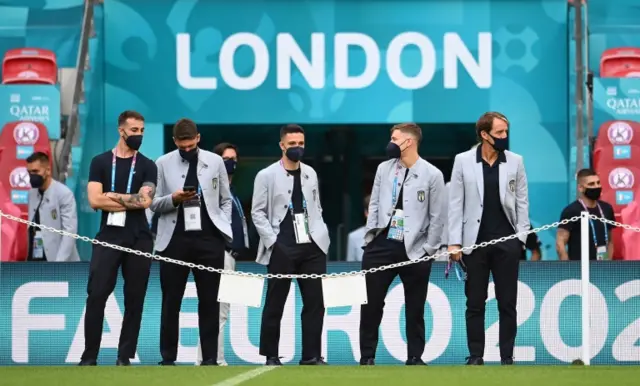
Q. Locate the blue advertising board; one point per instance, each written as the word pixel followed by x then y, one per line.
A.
pixel 342 62
pixel 37 103
pixel 42 312
pixel 615 99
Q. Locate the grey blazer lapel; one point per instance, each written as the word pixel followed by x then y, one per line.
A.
pixel 479 176
pixel 504 169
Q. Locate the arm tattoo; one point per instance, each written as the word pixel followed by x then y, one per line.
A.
pixel 132 201
pixel 152 186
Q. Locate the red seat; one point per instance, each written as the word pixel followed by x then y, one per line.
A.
pixel 618 242
pixel 626 155
pixel 616 61
pixel 621 132
pixel 13 235
pixel 29 66
pixel 17 141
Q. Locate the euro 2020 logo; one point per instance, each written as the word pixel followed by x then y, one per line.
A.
pixel 621 178
pixel 620 133
pixel 26 133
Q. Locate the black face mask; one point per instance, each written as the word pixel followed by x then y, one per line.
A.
pixel 295 153
pixel 36 180
pixel 592 193
pixel 393 150
pixel 230 165
pixel 134 142
pixel 189 155
pixel 500 144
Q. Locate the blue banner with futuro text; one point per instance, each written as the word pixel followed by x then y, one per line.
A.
pixel 42 313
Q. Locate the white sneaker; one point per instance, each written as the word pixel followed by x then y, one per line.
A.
pixel 222 363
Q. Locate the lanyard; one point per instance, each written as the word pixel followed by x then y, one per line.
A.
pixel 394 191
pixel 238 206
pixel 593 228
pixel 304 201
pixel 131 171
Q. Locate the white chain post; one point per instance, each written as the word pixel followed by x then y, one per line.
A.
pixel 584 280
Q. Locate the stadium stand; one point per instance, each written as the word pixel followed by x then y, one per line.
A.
pixel 620 62
pixel 29 66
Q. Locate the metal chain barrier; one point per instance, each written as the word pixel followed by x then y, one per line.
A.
pixel 314 275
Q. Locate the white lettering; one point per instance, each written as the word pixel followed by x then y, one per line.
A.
pixel 550 320
pixel 313 69
pixel 428 59
pixel 442 324
pixel 22 321
pixel 347 323
pixel 183 67
pixel 525 307
pixel 239 332
pixel 261 61
pixel 30 112
pixel 188 354
pixel 625 348
pixel 342 44
pixel 479 71
pixel 110 339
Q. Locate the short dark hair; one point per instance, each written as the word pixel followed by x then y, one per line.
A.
pixel 583 173
pixel 366 201
pixel 408 128
pixel 485 122
pixel 290 129
pixel 185 128
pixel 38 156
pixel 122 118
pixel 221 147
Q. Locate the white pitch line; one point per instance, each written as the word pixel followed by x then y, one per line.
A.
pixel 238 379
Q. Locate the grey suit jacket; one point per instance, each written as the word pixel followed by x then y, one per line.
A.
pixel 466 196
pixel 423 201
pixel 271 196
pixel 213 180
pixel 58 210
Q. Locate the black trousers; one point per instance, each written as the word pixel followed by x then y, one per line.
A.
pixel 297 259
pixel 173 281
pixel 103 273
pixel 415 280
pixel 502 261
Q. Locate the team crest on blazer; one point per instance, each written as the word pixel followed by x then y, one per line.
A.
pixel 54 214
pixel 215 183
pixel 421 195
pixel 512 186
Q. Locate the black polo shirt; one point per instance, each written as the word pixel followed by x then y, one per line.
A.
pixel 574 243
pixel 494 223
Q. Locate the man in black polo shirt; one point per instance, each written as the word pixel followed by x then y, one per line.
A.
pixel 600 237
pixel 114 176
pixel 194 203
pixel 488 199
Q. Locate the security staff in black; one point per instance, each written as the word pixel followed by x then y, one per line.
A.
pixel 114 177
pixel 194 203
pixel 488 200
pixel 287 214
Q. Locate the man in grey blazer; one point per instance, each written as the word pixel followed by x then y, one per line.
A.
pixel 488 199
pixel 287 214
pixel 52 204
pixel 405 222
pixel 194 203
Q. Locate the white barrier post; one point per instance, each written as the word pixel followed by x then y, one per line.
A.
pixel 584 265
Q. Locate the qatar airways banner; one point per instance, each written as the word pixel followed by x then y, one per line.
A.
pixel 42 313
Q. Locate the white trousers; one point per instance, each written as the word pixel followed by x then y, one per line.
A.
pixel 229 264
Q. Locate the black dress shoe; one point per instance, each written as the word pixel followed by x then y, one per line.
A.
pixel 475 361
pixel 209 362
pixel 313 362
pixel 367 362
pixel 167 363
pixel 506 361
pixel 414 361
pixel 273 361
pixel 123 362
pixel 88 362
